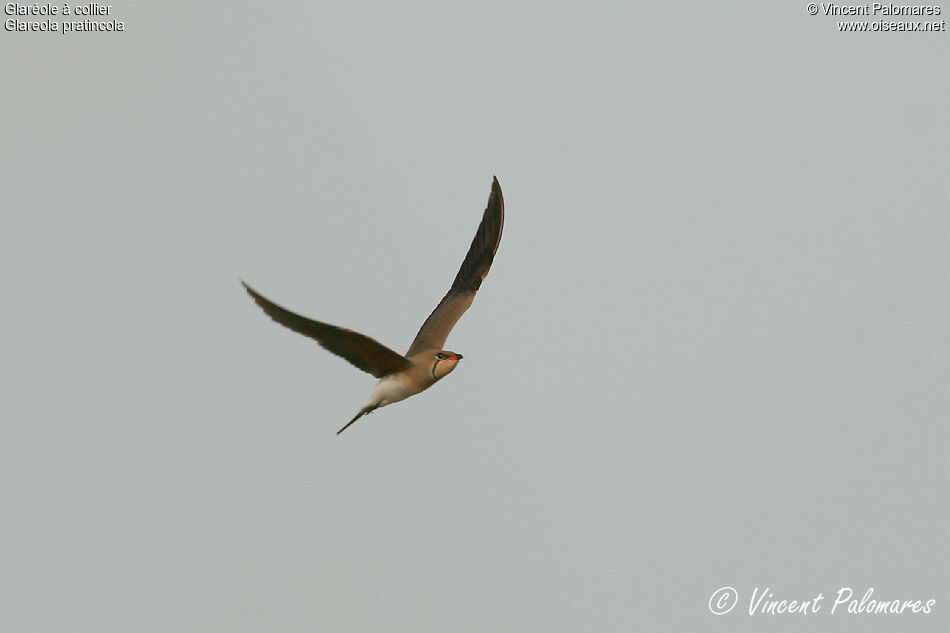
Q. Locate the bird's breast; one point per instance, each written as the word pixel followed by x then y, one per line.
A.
pixel 396 387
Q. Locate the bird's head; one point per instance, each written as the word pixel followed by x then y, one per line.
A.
pixel 443 362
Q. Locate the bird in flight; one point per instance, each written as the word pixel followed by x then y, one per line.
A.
pixel 426 362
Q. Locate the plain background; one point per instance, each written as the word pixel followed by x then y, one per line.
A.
pixel 712 350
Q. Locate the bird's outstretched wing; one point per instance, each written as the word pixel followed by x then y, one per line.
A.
pixel 362 351
pixel 436 328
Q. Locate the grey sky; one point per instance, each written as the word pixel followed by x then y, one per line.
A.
pixel 712 349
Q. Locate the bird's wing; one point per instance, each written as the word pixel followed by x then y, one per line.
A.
pixel 362 351
pixel 436 328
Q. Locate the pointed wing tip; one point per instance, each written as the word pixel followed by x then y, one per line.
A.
pixel 254 294
pixel 496 199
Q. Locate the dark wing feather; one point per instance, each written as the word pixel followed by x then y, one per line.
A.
pixel 474 268
pixel 362 351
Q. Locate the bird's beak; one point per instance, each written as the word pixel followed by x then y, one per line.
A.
pixel 457 357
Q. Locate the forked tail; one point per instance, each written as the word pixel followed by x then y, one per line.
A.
pixel 363 411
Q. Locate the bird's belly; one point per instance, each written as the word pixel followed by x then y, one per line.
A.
pixel 393 389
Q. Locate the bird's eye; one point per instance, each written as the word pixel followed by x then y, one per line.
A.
pixel 441 356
